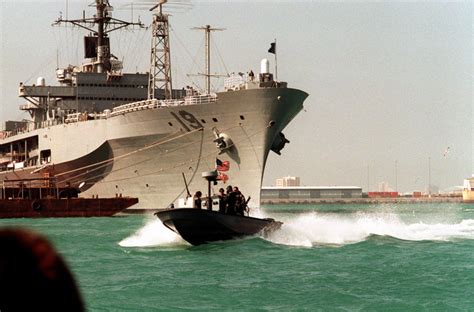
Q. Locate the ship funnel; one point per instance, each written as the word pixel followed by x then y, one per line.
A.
pixel 264 66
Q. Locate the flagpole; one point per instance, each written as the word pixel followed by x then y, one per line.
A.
pixel 273 49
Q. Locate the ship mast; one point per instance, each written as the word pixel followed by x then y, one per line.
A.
pixel 207 32
pixel 98 46
pixel 160 63
pixel 103 46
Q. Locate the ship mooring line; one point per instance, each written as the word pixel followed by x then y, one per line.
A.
pixel 119 169
pixel 105 162
pixel 146 160
pixel 253 148
pixel 196 167
pixel 185 162
pixel 128 154
pixel 155 144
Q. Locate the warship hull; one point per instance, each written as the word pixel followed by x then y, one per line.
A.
pixel 144 152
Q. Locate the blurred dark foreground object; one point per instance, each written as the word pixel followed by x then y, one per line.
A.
pixel 33 276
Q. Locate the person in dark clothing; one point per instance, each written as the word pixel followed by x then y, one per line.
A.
pixel 222 200
pixel 239 201
pixel 251 75
pixel 197 200
pixel 231 198
pixel 34 274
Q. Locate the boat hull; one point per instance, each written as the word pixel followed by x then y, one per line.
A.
pixel 198 226
pixel 61 208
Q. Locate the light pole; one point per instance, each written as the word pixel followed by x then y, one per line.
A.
pixel 396 175
pixel 429 176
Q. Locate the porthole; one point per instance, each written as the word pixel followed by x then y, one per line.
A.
pixel 214 119
pixel 203 121
pixel 242 117
pixel 169 123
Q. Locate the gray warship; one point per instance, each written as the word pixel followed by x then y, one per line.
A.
pixel 106 132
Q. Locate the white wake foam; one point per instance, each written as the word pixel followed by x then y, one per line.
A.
pixel 153 233
pixel 314 228
pixel 318 229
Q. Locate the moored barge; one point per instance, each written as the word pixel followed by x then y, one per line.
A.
pixel 64 207
pixel 40 198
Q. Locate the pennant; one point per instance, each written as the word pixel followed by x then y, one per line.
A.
pixel 272 48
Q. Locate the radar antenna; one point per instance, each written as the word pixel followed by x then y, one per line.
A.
pixel 98 46
pixel 160 64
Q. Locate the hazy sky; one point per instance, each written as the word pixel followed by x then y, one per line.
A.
pixel 389 82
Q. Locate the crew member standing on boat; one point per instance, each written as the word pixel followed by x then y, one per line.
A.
pixel 197 200
pixel 239 201
pixel 230 202
pixel 222 200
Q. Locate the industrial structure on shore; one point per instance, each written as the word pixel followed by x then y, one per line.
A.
pixel 289 191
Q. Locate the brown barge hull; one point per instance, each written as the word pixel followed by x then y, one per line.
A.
pixel 64 208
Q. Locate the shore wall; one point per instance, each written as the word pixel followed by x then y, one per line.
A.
pixel 398 200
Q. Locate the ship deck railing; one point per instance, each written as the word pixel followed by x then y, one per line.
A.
pixel 155 103
pixel 241 81
pixel 119 110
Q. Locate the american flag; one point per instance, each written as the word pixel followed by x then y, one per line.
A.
pixel 222 165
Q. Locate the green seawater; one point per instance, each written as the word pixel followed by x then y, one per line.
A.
pixel 406 257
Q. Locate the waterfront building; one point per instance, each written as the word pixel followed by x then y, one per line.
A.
pixel 288 181
pixel 308 193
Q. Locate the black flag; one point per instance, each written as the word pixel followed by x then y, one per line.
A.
pixel 272 48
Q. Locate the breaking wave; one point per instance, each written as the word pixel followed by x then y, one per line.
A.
pixel 317 228
pixel 312 229
pixel 153 233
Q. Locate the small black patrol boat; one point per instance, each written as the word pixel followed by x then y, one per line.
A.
pixel 200 226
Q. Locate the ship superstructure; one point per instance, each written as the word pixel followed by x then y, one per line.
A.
pixel 106 132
